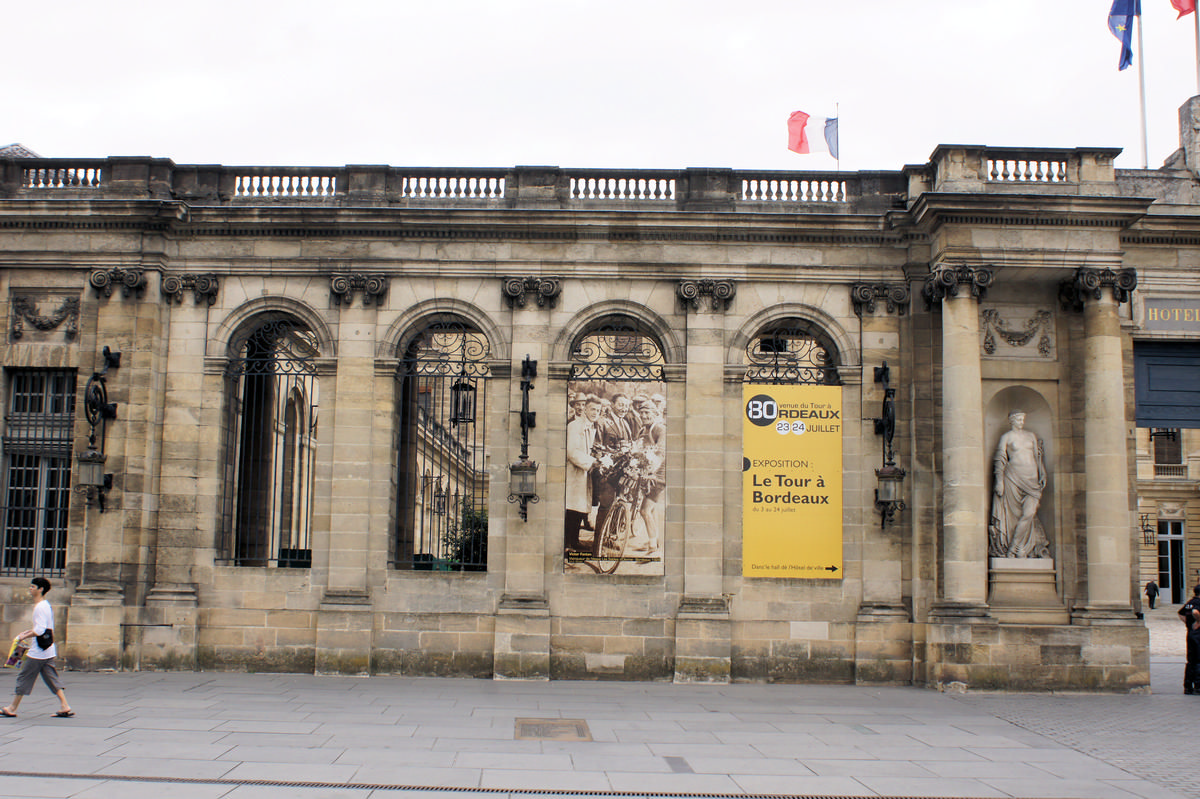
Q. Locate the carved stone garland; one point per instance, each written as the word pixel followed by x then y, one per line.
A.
pixel 719 293
pixel 373 287
pixel 994 326
pixel 546 289
pixel 25 310
pixel 203 287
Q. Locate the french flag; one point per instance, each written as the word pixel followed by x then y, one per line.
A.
pixel 802 140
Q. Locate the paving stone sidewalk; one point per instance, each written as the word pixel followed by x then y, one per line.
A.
pixel 245 735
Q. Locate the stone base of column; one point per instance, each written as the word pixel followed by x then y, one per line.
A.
pixel 1037 657
pixel 703 640
pixel 166 636
pixel 883 645
pixel 95 632
pixel 958 612
pixel 522 643
pixel 1023 591
pixel 345 633
pixel 1099 613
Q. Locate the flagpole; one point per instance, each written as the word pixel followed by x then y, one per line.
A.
pixel 1196 20
pixel 1142 89
pixel 837 114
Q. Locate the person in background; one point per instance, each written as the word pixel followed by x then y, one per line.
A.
pixel 1152 592
pixel 1190 613
pixel 40 658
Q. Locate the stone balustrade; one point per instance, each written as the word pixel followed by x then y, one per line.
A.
pixel 988 169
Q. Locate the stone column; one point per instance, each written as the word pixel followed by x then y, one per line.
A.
pixel 1106 469
pixel 964 494
pixel 703 633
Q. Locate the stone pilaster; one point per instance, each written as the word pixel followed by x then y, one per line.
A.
pixel 964 495
pixel 883 629
pixel 344 621
pixel 703 636
pixel 1106 468
pixel 521 649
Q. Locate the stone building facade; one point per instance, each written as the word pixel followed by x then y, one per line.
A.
pixel 296 397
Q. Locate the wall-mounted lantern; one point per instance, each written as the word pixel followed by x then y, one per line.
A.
pixel 889 476
pixel 98 410
pixel 439 498
pixel 522 485
pixel 1149 533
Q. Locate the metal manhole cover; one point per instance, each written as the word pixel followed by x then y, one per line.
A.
pixel 552 730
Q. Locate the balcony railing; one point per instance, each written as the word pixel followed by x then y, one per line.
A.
pixel 1171 471
pixel 536 186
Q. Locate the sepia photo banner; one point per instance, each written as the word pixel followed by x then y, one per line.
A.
pixel 792 481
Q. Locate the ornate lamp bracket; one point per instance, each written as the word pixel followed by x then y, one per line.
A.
pixel 697 294
pixel 545 289
pixel 944 281
pixel 1090 282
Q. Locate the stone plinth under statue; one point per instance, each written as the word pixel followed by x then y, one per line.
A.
pixel 1023 592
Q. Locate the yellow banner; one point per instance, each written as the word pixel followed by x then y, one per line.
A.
pixel 792 481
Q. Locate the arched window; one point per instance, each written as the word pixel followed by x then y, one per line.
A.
pixel 271 441
pixel 792 351
pixel 616 451
pixel 442 382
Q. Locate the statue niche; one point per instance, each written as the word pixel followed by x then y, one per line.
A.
pixel 1019 473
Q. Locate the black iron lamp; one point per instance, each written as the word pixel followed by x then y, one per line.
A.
pixel 98 410
pixel 522 486
pixel 1149 534
pixel 439 499
pixel 462 402
pixel 889 476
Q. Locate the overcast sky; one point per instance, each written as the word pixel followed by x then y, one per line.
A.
pixel 582 83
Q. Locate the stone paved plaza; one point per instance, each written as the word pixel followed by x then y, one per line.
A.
pixel 247 735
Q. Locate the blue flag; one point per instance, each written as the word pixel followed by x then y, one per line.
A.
pixel 831 135
pixel 1120 22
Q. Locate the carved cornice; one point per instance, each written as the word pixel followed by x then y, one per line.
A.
pixel 1091 282
pixel 203 287
pixel 943 281
pixel 132 281
pixel 24 309
pixel 373 287
pixel 865 295
pixel 546 289
pixel 718 293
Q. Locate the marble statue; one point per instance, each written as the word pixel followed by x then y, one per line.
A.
pixel 1020 477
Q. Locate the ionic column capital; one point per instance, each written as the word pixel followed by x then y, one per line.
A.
pixel 944 280
pixel 1090 282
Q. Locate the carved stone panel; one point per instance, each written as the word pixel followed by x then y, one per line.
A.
pixel 44 316
pixel 1017 331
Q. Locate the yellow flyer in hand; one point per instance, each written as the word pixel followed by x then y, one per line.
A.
pixel 16 653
